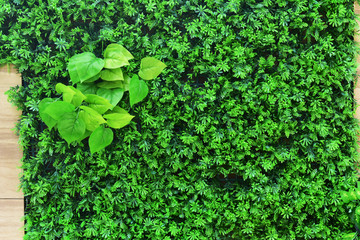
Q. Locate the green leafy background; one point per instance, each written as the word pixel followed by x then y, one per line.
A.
pixel 247 134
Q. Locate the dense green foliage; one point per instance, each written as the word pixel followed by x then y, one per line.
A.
pixel 247 134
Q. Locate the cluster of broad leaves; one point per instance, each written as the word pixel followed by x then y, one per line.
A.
pixel 90 109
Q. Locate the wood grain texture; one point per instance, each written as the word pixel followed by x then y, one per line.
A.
pixel 11 199
pixel 357 87
pixel 356 8
pixel 10 152
pixel 11 224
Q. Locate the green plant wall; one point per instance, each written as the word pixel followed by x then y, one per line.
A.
pixel 247 134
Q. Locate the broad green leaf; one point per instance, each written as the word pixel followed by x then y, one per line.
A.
pixel 118 120
pixel 46 118
pixel 99 104
pixel 138 90
pixel 357 211
pixel 87 88
pixel 71 127
pixel 352 195
pixel 100 139
pixel 349 236
pixel 112 74
pixel 85 135
pixel 116 56
pixel 92 79
pixel 91 118
pixel 111 85
pixel 84 66
pixel 150 68
pixel 345 196
pixel 78 98
pixel 113 95
pixel 126 82
pixel 66 91
pixel 57 109
pixel 117 109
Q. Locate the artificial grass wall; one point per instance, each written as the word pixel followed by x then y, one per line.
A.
pixel 248 134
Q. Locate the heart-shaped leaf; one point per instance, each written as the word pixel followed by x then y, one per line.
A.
pixel 87 88
pixel 111 85
pixel 47 119
pixel 116 56
pixel 78 98
pixel 85 135
pixel 117 109
pixel 91 118
pixel 126 82
pixel 57 109
pixel 112 74
pixel 113 95
pixel 99 104
pixel 71 127
pixel 138 90
pixel 100 138
pixel 84 66
pixel 119 119
pixel 150 68
pixel 66 91
pixel 92 79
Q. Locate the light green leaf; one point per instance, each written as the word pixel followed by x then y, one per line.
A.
pixel 117 109
pixel 70 127
pixel 84 66
pixel 150 68
pixel 118 120
pixel 92 79
pixel 111 85
pixel 78 98
pixel 57 109
pixel 87 88
pixel 91 118
pixel 349 236
pixel 113 95
pixel 126 82
pixel 85 135
pixel 116 56
pixel 100 139
pixel 46 118
pixel 138 90
pixel 99 104
pixel 112 74
pixel 66 91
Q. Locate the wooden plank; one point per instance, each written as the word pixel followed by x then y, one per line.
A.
pixel 10 152
pixel 357 39
pixel 11 224
pixel 356 8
